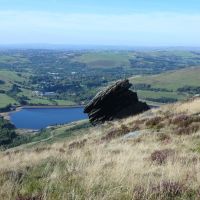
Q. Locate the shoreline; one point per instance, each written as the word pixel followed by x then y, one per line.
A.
pixel 6 115
pixel 52 106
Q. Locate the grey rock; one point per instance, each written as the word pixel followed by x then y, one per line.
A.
pixel 115 102
pixel 134 134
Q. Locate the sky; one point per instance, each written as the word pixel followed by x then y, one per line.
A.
pixel 101 22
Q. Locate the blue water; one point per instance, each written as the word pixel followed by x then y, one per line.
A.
pixel 38 118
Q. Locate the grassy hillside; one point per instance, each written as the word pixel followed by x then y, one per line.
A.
pixel 9 78
pixel 73 77
pixel 5 59
pixel 21 79
pixel 5 100
pixel 155 155
pixel 105 59
pixel 172 80
pixel 168 84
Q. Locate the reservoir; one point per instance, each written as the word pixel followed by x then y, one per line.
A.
pixel 38 118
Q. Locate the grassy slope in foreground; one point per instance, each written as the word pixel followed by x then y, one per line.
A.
pixel 162 162
pixel 170 81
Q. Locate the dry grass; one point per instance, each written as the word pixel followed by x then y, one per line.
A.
pixel 159 164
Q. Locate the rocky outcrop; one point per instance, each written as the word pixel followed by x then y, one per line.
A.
pixel 115 102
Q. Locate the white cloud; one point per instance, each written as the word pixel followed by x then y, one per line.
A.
pixel 134 29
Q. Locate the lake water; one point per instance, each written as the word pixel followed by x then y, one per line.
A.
pixel 37 118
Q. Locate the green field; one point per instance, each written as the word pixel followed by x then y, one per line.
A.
pixel 170 81
pixel 105 59
pixel 13 59
pixel 5 100
pixel 10 78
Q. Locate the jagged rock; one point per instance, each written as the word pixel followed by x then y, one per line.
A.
pixel 115 102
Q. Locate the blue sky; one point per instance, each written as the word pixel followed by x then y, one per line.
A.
pixel 102 22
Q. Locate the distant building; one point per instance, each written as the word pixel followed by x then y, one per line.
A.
pixel 46 94
pixel 49 94
pixel 51 73
pixel 37 93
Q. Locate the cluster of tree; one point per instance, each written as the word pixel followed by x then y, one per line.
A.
pixel 189 89
pixel 6 108
pixel 14 90
pixel 161 61
pixel 144 86
pixel 8 136
pixel 23 100
pixel 2 91
pixel 163 99
pixel 7 132
pixel 2 82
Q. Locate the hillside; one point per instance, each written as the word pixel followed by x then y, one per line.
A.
pixel 67 77
pixel 15 89
pixel 169 86
pixel 155 155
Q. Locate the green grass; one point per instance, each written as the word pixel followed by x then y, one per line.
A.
pixel 11 78
pixel 52 135
pixel 40 101
pixel 7 75
pixel 172 80
pixel 105 59
pixel 12 59
pixel 143 94
pixel 45 101
pixel 65 103
pixel 5 100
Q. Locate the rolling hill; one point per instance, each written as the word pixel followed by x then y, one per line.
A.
pixel 166 85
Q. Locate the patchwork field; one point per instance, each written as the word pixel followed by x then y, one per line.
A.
pixel 169 81
pixel 74 77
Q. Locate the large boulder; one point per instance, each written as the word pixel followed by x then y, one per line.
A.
pixel 115 102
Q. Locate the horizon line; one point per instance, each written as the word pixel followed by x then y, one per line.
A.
pixel 65 45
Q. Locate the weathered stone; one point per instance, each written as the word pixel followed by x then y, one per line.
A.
pixel 115 102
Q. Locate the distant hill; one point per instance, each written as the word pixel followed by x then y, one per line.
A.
pixel 75 76
pixel 168 85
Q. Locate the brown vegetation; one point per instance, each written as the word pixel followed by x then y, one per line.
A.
pixel 160 164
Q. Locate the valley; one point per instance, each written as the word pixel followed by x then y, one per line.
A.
pixel 99 100
pixel 150 155
pixel 55 77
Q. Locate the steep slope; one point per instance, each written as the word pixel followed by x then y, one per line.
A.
pixel 155 155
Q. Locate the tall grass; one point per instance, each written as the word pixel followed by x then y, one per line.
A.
pixel 159 164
